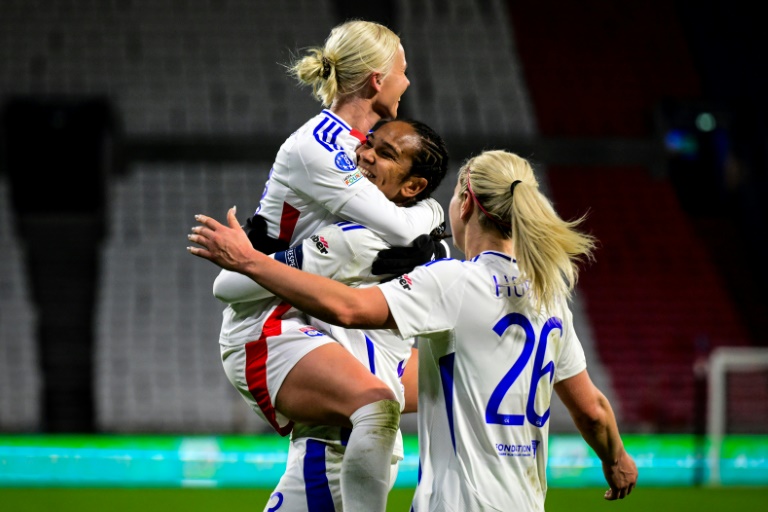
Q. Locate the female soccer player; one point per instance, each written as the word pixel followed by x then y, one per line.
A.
pixel 498 338
pixel 407 160
pixel 359 75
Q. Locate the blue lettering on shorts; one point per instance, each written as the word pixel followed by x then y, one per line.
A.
pixel 311 332
pixel 344 163
pixel 279 503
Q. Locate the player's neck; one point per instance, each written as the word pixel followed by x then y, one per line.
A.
pixel 478 240
pixel 357 112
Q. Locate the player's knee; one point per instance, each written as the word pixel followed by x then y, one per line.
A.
pixel 382 413
pixel 369 395
pixel 364 396
pixel 381 394
pixel 390 410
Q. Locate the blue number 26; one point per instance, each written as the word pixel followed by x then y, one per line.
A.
pixel 492 414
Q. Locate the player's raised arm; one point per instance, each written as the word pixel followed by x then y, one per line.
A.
pixel 328 300
pixel 398 226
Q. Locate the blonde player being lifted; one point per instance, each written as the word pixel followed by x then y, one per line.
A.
pixel 359 75
pixel 497 338
pixel 406 160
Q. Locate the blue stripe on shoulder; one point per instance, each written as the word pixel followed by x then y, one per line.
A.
pixel 330 132
pixel 321 132
pixel 353 226
pixel 334 135
pixel 337 119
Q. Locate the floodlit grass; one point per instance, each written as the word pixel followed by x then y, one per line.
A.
pixel 659 499
pixel 193 500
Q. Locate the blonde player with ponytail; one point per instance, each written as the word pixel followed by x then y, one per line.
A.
pixel 497 338
pixel 286 369
pixel 546 248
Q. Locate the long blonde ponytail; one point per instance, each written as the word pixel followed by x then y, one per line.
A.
pixel 548 249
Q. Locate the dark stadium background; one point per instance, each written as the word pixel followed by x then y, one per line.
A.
pixel 122 119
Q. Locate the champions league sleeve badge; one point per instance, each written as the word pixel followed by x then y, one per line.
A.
pixel 344 163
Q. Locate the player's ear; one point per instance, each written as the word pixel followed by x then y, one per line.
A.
pixel 412 186
pixel 375 81
pixel 467 206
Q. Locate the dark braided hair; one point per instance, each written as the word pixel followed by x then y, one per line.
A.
pixel 430 161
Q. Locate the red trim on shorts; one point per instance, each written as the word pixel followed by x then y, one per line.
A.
pixel 288 220
pixel 358 135
pixel 256 367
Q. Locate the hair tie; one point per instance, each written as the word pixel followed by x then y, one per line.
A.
pixel 494 219
pixel 326 68
pixel 512 186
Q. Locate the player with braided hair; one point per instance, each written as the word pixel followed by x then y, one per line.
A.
pixel 406 160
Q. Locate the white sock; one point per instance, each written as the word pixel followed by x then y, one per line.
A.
pixel 365 469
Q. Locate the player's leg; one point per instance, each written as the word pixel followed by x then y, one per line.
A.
pixel 311 479
pixel 329 386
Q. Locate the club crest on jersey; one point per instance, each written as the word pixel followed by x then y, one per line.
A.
pixel 353 178
pixel 405 281
pixel 320 243
pixel 311 332
pixel 344 163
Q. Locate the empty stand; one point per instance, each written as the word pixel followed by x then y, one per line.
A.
pixel 157 354
pixel 20 377
pixel 594 69
pixel 466 79
pixel 656 300
pixel 188 67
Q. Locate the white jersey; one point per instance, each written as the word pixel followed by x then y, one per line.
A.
pixel 344 252
pixel 315 182
pixel 487 365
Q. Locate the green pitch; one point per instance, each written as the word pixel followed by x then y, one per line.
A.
pixel 194 500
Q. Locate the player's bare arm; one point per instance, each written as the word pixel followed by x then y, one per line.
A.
pixel 328 300
pixel 593 416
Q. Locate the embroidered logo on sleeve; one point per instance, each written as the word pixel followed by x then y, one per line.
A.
pixel 344 163
pixel 405 281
